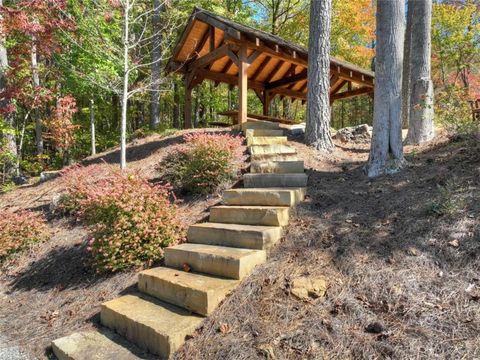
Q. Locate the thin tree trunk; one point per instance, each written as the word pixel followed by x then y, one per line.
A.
pixel 36 86
pixel 92 127
pixel 123 125
pixel 176 106
pixel 386 153
pixel 156 65
pixel 420 127
pixel 317 132
pixel 11 168
pixel 406 67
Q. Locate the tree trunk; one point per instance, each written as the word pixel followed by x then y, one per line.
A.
pixel 92 127
pixel 386 152
pixel 317 132
pixel 123 125
pixel 176 106
pixel 406 67
pixel 156 65
pixel 9 135
pixel 420 127
pixel 36 86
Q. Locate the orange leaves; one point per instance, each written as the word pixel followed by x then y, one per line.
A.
pixel 60 126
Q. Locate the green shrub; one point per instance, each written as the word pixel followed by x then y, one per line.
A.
pixel 130 220
pixel 206 161
pixel 18 230
pixel 449 200
pixel 452 110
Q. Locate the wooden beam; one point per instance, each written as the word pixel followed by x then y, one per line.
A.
pixel 253 56
pixel 267 99
pixel 349 75
pixel 275 53
pixel 337 85
pixel 288 80
pixel 290 93
pixel 349 94
pixel 211 29
pixel 274 71
pixel 242 84
pixel 216 54
pixel 261 67
pixel 228 79
pixel 304 87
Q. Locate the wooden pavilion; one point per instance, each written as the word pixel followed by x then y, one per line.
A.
pixel 214 48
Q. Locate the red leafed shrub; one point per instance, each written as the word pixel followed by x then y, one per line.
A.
pixel 20 229
pixel 205 161
pixel 130 220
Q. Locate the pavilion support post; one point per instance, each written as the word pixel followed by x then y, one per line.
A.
pixel 242 84
pixel 188 107
pixel 267 99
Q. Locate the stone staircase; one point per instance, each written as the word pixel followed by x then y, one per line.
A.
pixel 171 303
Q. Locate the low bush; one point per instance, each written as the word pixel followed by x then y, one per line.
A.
pixel 18 230
pixel 130 220
pixel 204 162
pixel 449 200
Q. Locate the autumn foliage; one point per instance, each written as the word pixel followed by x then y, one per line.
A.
pixel 130 220
pixel 204 162
pixel 20 229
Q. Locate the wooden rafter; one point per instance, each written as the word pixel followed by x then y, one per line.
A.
pixel 203 61
pixel 349 94
pixel 336 85
pixel 287 81
pixel 274 71
pixel 228 79
pixel 264 63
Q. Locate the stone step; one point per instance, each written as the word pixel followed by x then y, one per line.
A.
pixel 250 215
pixel 275 180
pixel 258 124
pixel 232 263
pixel 235 235
pixel 91 345
pixel 266 140
pixel 263 132
pixel 195 292
pixel 278 167
pixel 264 196
pixel 275 149
pixel 149 323
pixel 273 157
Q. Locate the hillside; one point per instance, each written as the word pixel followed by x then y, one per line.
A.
pixel 400 254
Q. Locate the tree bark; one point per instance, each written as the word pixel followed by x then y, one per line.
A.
pixel 156 65
pixel 386 153
pixel 92 127
pixel 176 106
pixel 36 86
pixel 123 125
pixel 9 135
pixel 406 67
pixel 317 132
pixel 420 127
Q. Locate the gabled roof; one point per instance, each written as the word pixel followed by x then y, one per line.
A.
pixel 277 64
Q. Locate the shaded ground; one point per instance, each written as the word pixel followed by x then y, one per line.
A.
pixel 50 290
pixel 388 259
pixel 390 262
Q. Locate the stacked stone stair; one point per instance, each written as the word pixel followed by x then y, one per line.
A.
pixel 173 300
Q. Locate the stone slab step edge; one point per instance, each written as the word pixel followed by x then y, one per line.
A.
pixel 266 140
pixel 192 291
pixel 275 180
pixel 90 345
pixel 258 124
pixel 264 196
pixel 273 157
pixel 275 149
pixel 263 132
pixel 235 235
pixel 277 167
pixel 250 215
pixel 232 263
pixel 149 323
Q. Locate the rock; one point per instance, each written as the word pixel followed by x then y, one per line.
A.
pixel 360 133
pixel 49 175
pixel 20 180
pixel 308 287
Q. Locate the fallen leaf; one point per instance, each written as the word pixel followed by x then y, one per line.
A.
pixel 224 328
pixel 186 267
pixel 454 243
